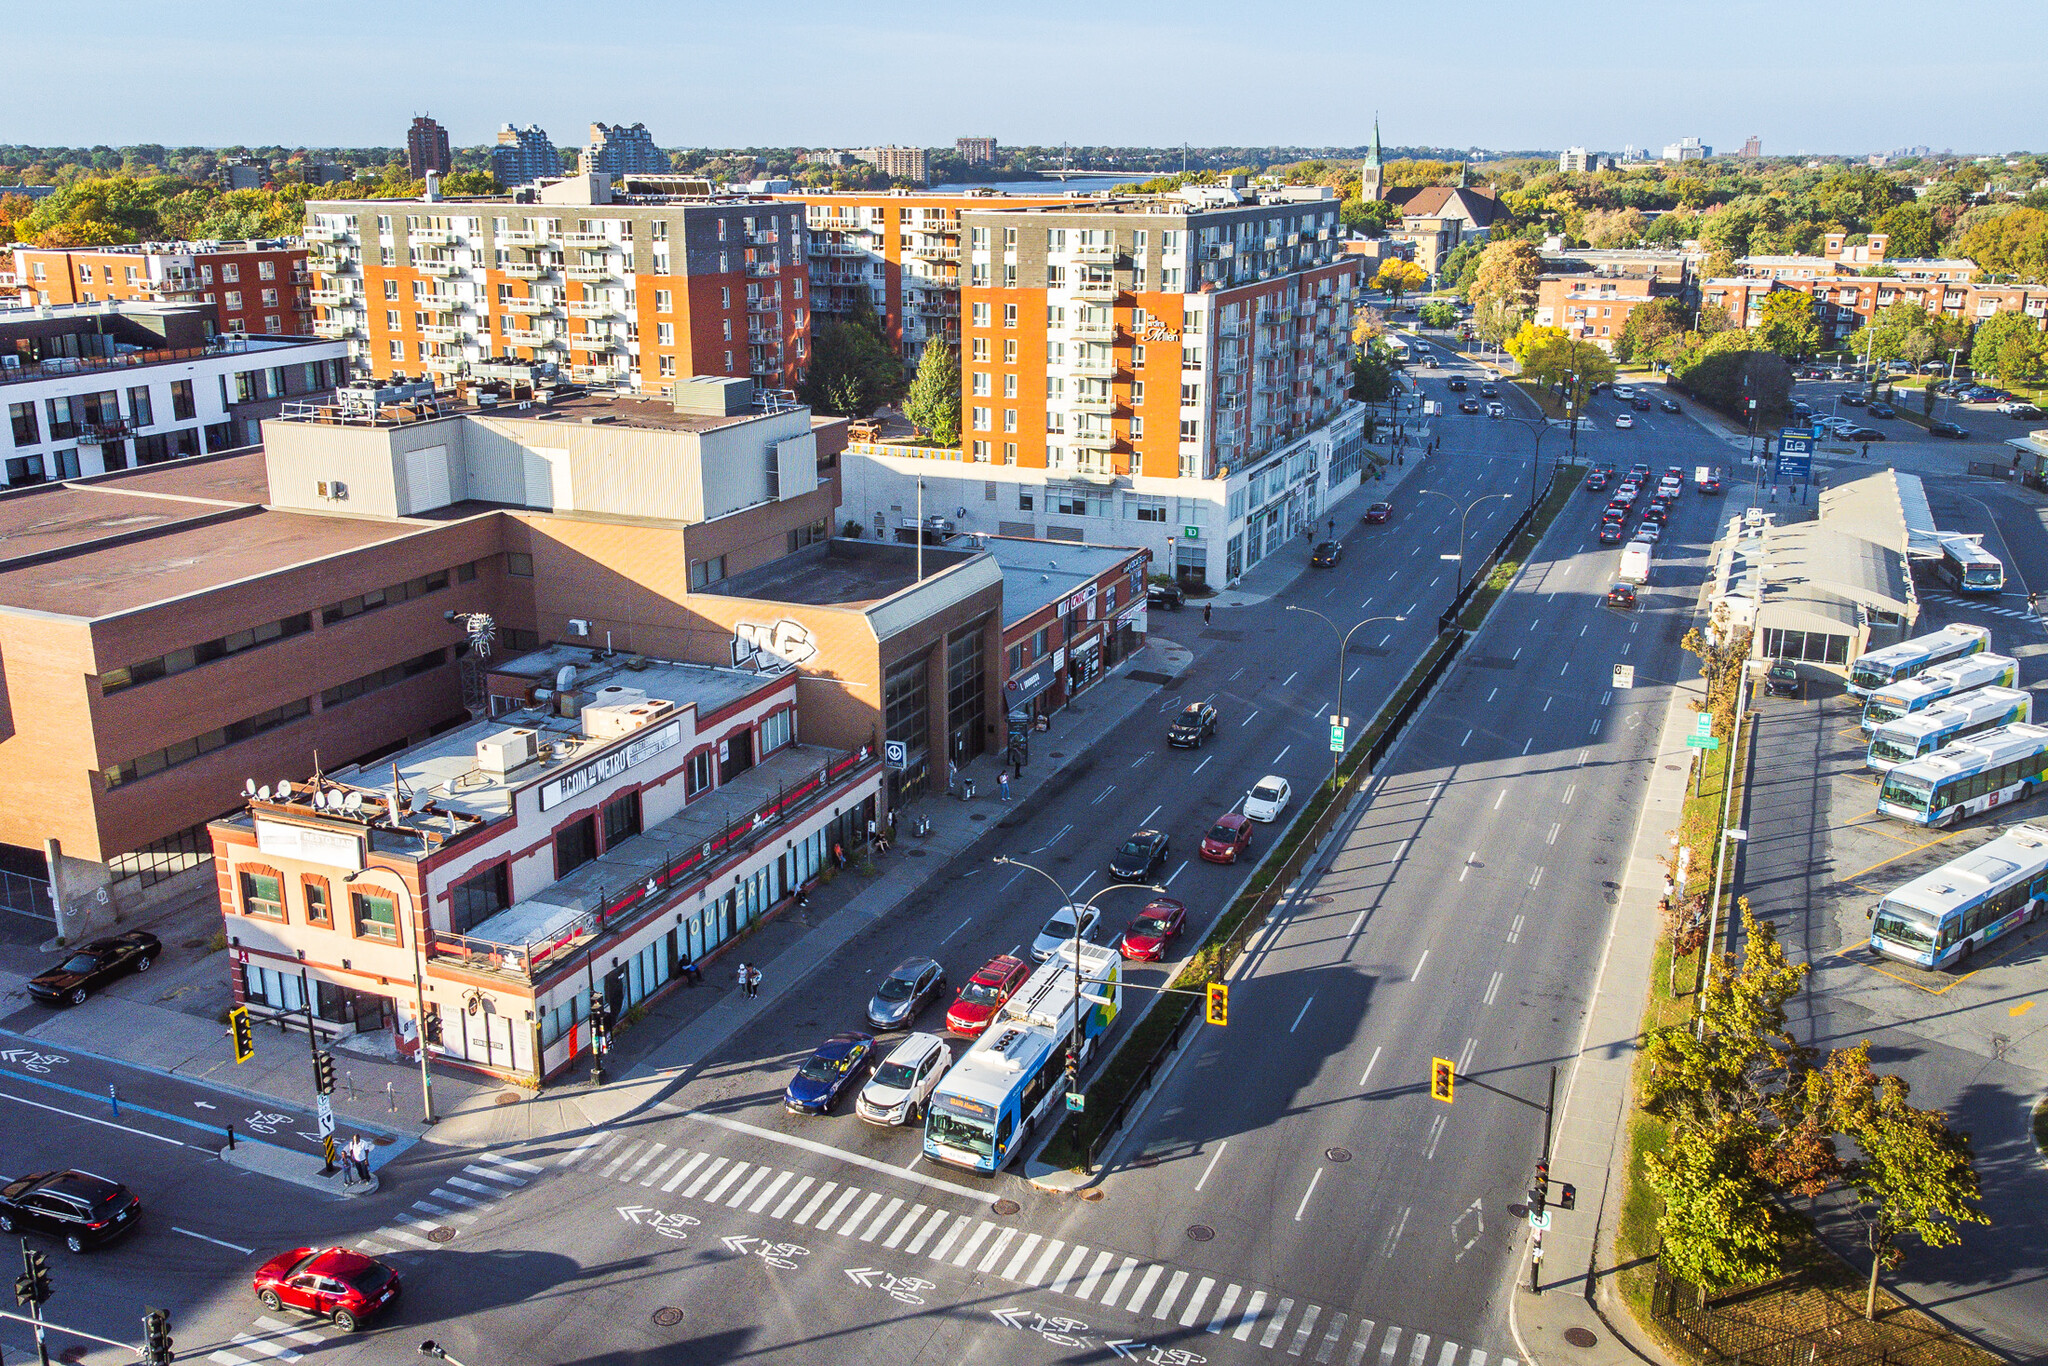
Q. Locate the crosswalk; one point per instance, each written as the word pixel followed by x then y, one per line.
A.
pixel 455 1203
pixel 268 1343
pixel 1982 605
pixel 1099 1276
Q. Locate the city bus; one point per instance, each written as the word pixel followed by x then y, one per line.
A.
pixel 1880 668
pixel 1969 777
pixel 1952 679
pixel 1968 566
pixel 982 1112
pixel 1956 718
pixel 1941 917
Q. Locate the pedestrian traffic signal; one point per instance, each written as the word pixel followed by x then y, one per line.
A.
pixel 244 1032
pixel 32 1286
pixel 323 1073
pixel 600 1014
pixel 1443 1075
pixel 1567 1197
pixel 156 1338
pixel 1219 1003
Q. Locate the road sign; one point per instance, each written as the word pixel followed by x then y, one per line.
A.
pixel 1795 458
pixel 1702 742
pixel 1624 675
pixel 1539 1221
pixel 326 1116
pixel 1336 739
pixel 896 753
pixel 1077 1101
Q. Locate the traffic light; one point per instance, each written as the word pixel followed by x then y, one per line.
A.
pixel 323 1073
pixel 1567 1197
pixel 1443 1074
pixel 1539 1190
pixel 32 1286
pixel 156 1338
pixel 1219 1003
pixel 600 1017
pixel 244 1032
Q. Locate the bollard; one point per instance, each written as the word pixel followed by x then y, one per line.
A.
pixel 351 1084
pixel 231 1138
pixel 114 1099
pixel 390 1101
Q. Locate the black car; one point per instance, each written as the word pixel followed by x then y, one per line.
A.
pixel 1326 554
pixel 1611 533
pixel 1641 403
pixel 1862 434
pixel 2023 412
pixel 1669 405
pixel 1622 595
pixel 1468 405
pixel 1853 400
pixel 1657 512
pixel 1196 723
pixel 1169 596
pixel 1783 680
pixel 1139 857
pixel 1884 410
pixel 1488 391
pixel 1948 429
pixel 82 1209
pixel 1459 386
pixel 93 965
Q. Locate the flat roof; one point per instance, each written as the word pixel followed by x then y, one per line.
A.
pixel 1037 573
pixel 638 414
pixel 58 516
pixel 840 572
pixel 239 477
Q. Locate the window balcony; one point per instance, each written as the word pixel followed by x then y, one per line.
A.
pixel 523 237
pixel 527 270
pixel 318 234
pixel 1100 331
pixel 591 274
pixel 763 270
pixel 1092 441
pixel 334 265
pixel 527 336
pixel 1096 289
pixel 336 329
pixel 530 307
pixel 1104 404
pixel 592 308
pixel 936 251
pixel 1099 367
pixel 329 298
pixel 442 269
pixel 600 374
pixel 764 336
pixel 105 432
pixel 589 241
pixel 432 237
pixel 1096 251
pixel 771 303
pixel 441 332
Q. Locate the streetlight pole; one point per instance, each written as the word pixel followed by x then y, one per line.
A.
pixel 1067 899
pixel 419 990
pixel 1343 648
pixel 1458 587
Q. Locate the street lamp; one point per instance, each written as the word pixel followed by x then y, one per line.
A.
pixel 419 979
pixel 1067 899
pixel 1458 587
pixel 1343 648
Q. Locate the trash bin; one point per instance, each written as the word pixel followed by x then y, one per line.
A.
pixel 967 789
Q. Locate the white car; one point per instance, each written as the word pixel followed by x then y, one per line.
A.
pixel 1496 410
pixel 897 1092
pixel 1623 391
pixel 1624 420
pixel 1060 930
pixel 1648 533
pixel 1268 799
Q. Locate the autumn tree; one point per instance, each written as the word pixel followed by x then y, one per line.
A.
pixel 1560 362
pixel 1647 327
pixel 1398 277
pixel 1506 275
pixel 1788 325
pixel 2007 346
pixel 2012 243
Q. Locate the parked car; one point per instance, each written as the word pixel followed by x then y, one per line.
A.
pixel 1862 434
pixel 88 968
pixel 1624 420
pixel 1782 679
pixel 1229 838
pixel 333 1283
pixel 985 994
pixel 1196 723
pixel 1153 930
pixel 911 985
pixel 1948 429
pixel 1168 597
pixel 1268 798
pixel 81 1209
pixel 1669 405
pixel 1622 595
pixel 1326 554
pixel 2022 412
pixel 897 1092
pixel 1060 929
pixel 1140 856
pixel 1377 513
pixel 833 1067
pixel 1883 410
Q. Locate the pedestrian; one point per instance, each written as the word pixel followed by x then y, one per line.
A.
pixel 692 974
pixel 2033 604
pixel 1866 450
pixel 952 776
pixel 1207 607
pixel 753 982
pixel 1003 785
pixel 839 855
pixel 358 1153
pixel 740 976
pixel 803 898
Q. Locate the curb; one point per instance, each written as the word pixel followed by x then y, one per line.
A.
pixel 301 1169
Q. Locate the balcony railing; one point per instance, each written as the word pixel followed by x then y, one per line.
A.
pixel 589 241
pixel 432 237
pixel 1104 404
pixel 438 332
pixel 591 273
pixel 763 270
pixel 1092 441
pixel 328 298
pixel 333 265
pixel 937 251
pixel 1102 367
pixel 106 432
pixel 1096 251
pixel 592 308
pixel 335 329
pixel 527 270
pixel 530 307
pixel 442 269
pixel 317 234
pixel 1100 330
pixel 523 237
pixel 527 336
pixel 771 303
pixel 1096 289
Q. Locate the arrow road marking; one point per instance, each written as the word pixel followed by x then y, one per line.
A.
pixel 1125 1347
pixel 1009 1318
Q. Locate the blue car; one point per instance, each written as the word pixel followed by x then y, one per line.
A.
pixel 828 1073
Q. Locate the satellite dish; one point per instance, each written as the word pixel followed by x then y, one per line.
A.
pixel 284 787
pixel 249 787
pixel 324 798
pixel 263 793
pixel 355 801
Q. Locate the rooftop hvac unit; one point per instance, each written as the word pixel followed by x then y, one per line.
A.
pixel 507 750
pixel 604 720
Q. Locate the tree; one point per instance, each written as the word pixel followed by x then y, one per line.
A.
pixel 853 369
pixel 1367 216
pixel 1397 277
pixel 1372 371
pixel 1788 325
pixel 1457 269
pixel 1720 1225
pixel 1439 313
pixel 933 403
pixel 2007 346
pixel 1911 230
pixel 1615 228
pixel 1646 327
pixel 1367 323
pixel 1561 363
pixel 1506 274
pixel 1723 1063
pixel 2012 243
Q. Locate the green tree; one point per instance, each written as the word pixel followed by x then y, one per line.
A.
pixel 1646 328
pixel 1397 277
pixel 1723 1062
pixel 1457 269
pixel 2013 243
pixel 933 403
pixel 1911 229
pixel 853 370
pixel 1367 216
pixel 1788 325
pixel 2007 346
pixel 1372 371
pixel 1721 1225
pixel 1439 313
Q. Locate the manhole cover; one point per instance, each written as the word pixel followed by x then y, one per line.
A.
pixel 668 1316
pixel 1006 1207
pixel 1580 1337
pixel 915 853
pixel 1092 1193
pixel 508 1097
pixel 1201 1233
pixel 1672 767
pixel 443 1234
pixel 1518 1211
pixel 1337 1154
pixel 1059 754
pixel 382 1140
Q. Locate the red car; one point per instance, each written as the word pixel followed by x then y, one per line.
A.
pixel 1378 512
pixel 1158 925
pixel 985 994
pixel 1231 836
pixel 330 1283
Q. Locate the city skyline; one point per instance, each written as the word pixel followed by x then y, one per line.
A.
pixel 1656 83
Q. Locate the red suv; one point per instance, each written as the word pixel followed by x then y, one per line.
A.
pixel 985 994
pixel 330 1283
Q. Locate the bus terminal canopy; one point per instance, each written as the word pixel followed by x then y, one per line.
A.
pixel 1810 582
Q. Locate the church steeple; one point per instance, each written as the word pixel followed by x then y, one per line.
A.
pixel 1374 158
pixel 1464 175
pixel 1370 184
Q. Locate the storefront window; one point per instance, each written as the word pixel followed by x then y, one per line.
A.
pixel 964 694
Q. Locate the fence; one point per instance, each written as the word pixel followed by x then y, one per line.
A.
pixel 26 896
pixel 1803 1320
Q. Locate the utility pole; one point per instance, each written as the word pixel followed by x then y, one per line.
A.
pixel 31 1288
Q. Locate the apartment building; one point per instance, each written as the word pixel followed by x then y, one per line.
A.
pixel 255 287
pixel 622 817
pixel 616 150
pixel 426 148
pixel 1167 373
pixel 1595 306
pixel 904 163
pixel 524 155
pixel 91 388
pixel 1578 160
pixel 975 151
pixel 1070 613
pixel 632 290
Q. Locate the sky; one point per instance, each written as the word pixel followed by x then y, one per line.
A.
pixel 1802 75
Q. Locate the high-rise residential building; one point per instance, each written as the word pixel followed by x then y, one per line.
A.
pixel 636 290
pixel 615 150
pixel 426 148
pixel 524 155
pixel 254 287
pixel 1686 149
pixel 975 151
pixel 1169 373
pixel 243 173
pixel 1579 159
pixel 901 163
pixel 1752 147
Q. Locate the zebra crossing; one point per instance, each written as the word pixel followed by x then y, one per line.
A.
pixel 1099 1276
pixel 455 1203
pixel 268 1345
pixel 1982 605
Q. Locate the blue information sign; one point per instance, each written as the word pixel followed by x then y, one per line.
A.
pixel 1795 458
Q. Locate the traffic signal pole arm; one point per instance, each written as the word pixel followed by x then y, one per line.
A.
pixel 48 1326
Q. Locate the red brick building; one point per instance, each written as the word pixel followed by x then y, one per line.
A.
pixel 257 287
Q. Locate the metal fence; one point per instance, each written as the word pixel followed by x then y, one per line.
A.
pixel 1803 1321
pixel 27 896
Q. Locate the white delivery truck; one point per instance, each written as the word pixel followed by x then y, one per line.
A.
pixel 1635 562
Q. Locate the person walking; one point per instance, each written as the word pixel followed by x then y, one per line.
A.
pixel 754 982
pixel 1003 785
pixel 2033 604
pixel 740 976
pixel 952 776
pixel 839 855
pixel 1206 608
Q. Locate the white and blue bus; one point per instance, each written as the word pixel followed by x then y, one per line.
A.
pixel 1881 668
pixel 1955 718
pixel 1996 768
pixel 1943 916
pixel 1968 566
pixel 982 1111
pixel 1958 676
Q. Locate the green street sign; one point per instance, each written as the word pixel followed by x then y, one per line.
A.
pixel 1703 724
pixel 1192 533
pixel 1336 739
pixel 1702 742
pixel 1076 1101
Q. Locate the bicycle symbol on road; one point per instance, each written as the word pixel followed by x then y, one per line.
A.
pixel 903 1289
pixel 263 1123
pixel 31 1061
pixel 775 1254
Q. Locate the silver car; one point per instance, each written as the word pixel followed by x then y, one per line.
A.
pixel 910 986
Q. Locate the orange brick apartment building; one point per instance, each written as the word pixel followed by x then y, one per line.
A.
pixel 258 287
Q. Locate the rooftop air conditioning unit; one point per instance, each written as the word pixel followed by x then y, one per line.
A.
pixel 507 750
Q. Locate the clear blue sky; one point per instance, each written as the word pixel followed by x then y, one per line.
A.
pixel 1805 76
